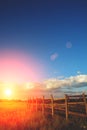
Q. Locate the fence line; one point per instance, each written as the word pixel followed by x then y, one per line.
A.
pixel 69 105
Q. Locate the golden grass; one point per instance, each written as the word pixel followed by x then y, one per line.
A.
pixel 20 116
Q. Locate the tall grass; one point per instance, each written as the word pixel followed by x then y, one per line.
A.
pixel 16 116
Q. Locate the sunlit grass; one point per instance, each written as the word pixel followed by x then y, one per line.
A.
pixel 20 116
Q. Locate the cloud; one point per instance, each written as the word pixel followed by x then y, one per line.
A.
pixel 73 81
pixel 56 86
pixel 68 45
pixel 54 56
pixel 59 86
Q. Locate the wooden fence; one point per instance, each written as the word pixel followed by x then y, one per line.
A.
pixel 69 105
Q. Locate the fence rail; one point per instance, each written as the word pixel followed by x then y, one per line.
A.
pixel 71 105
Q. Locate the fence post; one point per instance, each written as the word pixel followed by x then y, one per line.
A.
pixel 66 106
pixel 52 105
pixel 84 98
pixel 43 105
pixel 36 105
pixel 33 102
pixel 28 103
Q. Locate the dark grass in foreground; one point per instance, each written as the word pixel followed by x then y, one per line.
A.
pixel 17 116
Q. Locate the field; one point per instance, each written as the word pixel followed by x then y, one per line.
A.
pixel 18 115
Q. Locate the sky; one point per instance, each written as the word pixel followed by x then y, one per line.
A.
pixel 43 42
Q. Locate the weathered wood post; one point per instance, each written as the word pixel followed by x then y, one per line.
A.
pixel 84 98
pixel 33 102
pixel 36 104
pixel 52 105
pixel 43 105
pixel 66 106
pixel 28 103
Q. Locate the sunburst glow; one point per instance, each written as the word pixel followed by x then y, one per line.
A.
pixel 8 92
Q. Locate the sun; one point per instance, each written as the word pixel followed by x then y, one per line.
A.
pixel 8 92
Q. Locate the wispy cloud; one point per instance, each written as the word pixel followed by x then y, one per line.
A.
pixel 54 56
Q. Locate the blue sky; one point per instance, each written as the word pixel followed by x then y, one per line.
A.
pixel 52 32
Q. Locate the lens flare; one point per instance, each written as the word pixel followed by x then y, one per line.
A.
pixel 19 67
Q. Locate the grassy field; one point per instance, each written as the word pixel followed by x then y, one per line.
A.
pixel 18 116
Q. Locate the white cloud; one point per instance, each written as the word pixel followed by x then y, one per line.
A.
pixel 54 56
pixel 73 81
